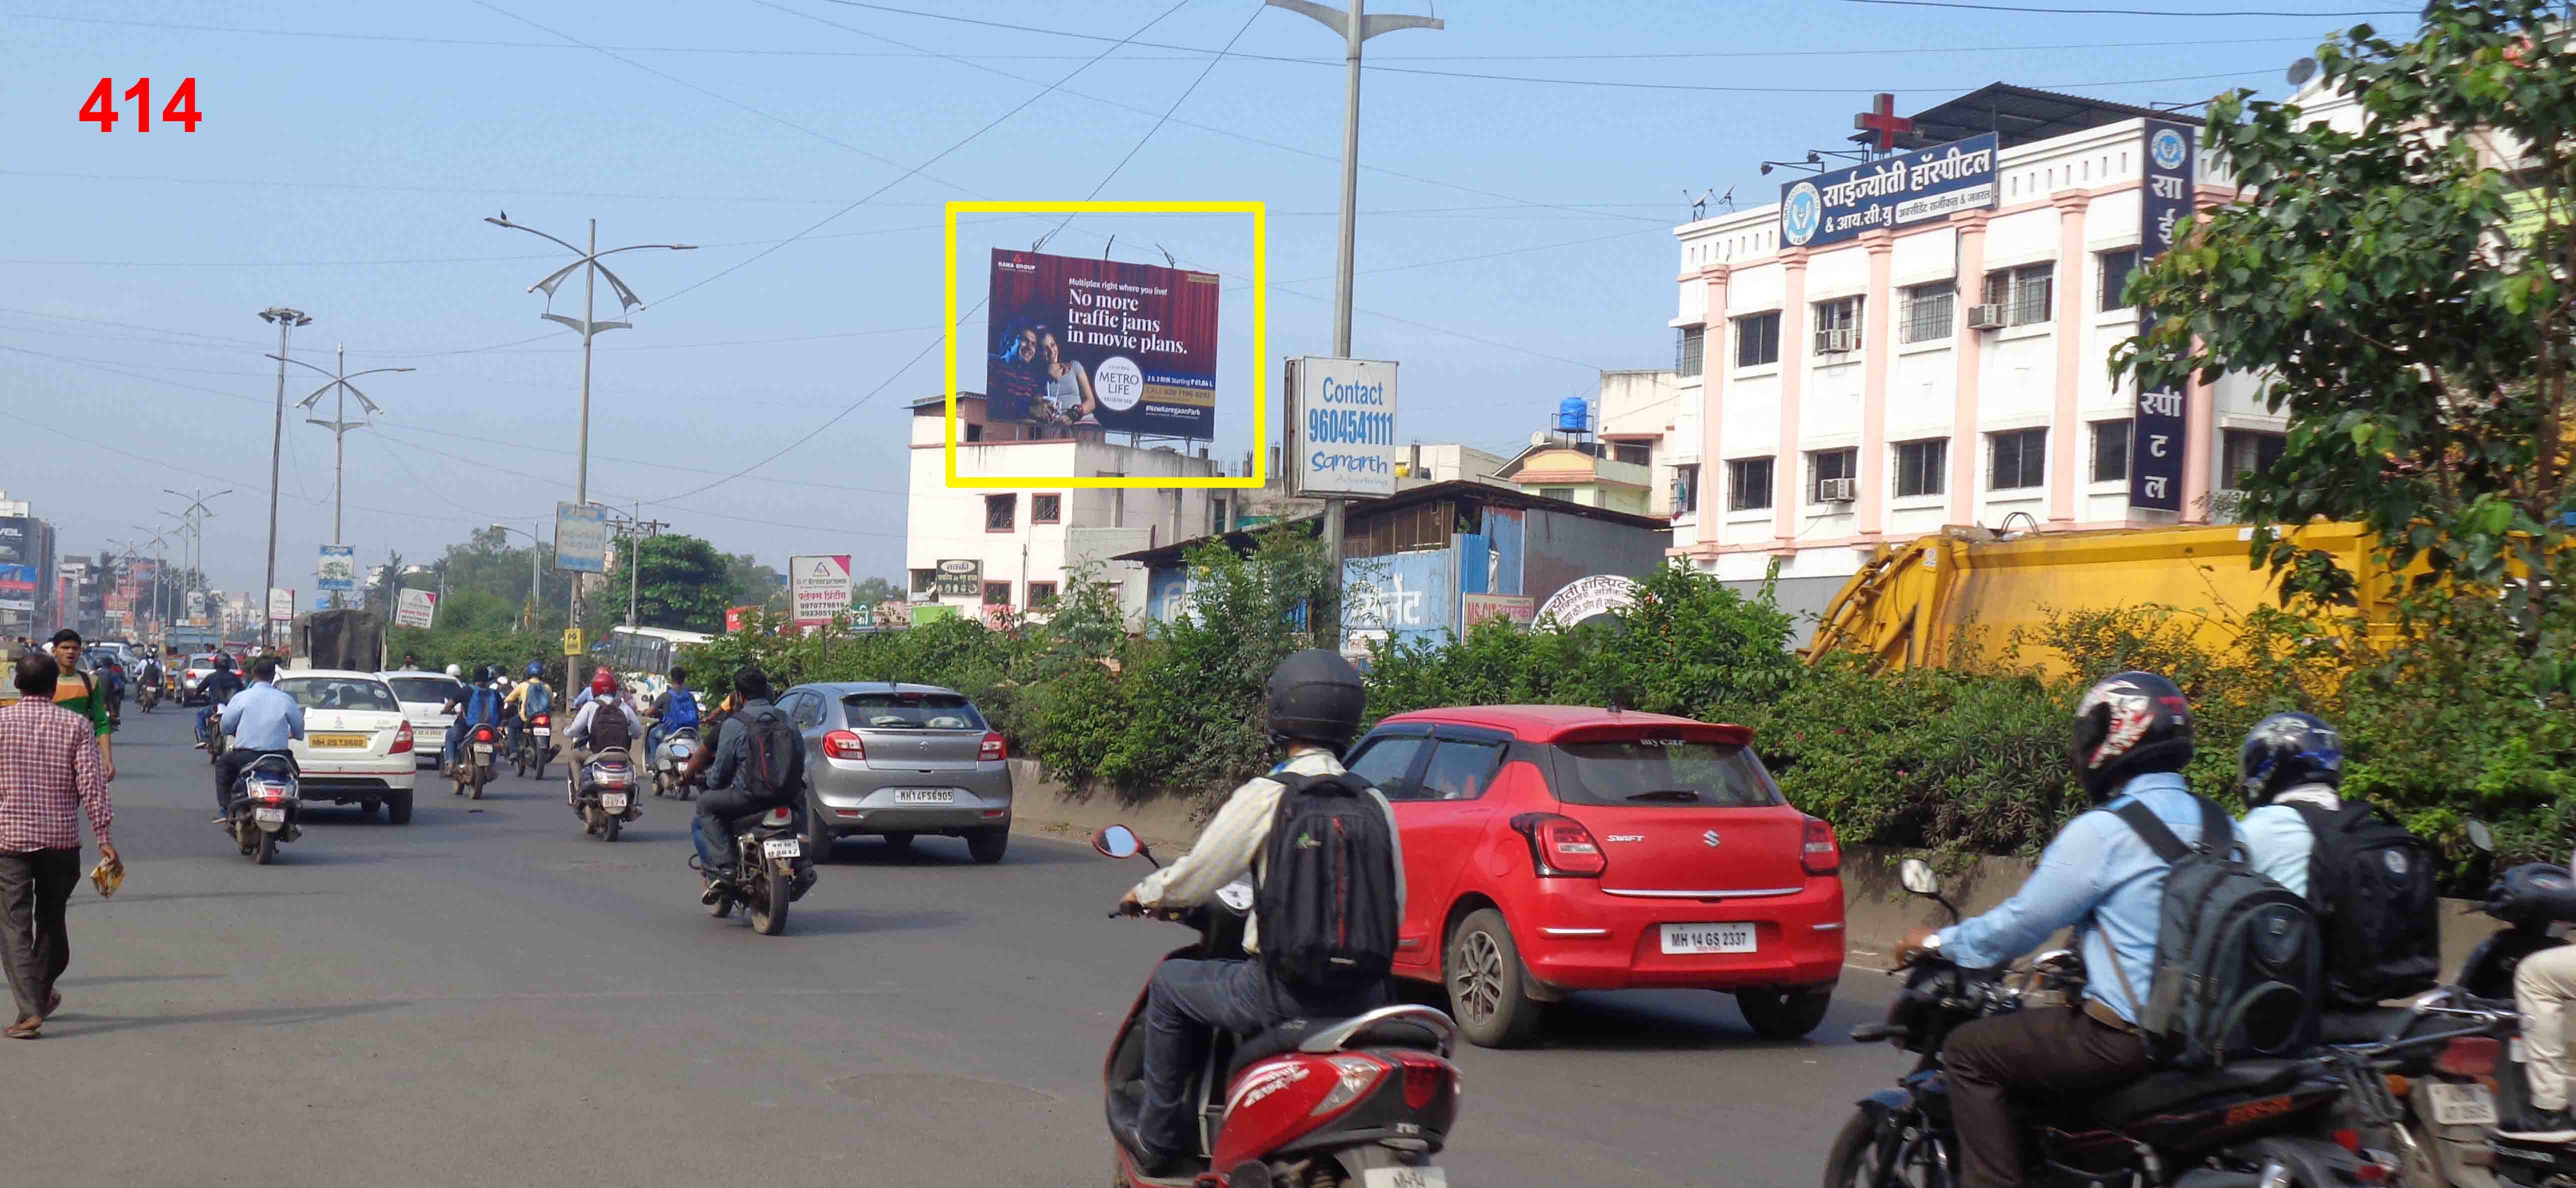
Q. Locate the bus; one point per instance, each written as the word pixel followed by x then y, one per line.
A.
pixel 642 656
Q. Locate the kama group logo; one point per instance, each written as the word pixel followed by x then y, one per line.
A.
pixel 2167 148
pixel 1800 214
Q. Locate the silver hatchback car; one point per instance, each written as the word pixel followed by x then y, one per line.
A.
pixel 899 761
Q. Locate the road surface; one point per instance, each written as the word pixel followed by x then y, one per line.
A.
pixel 488 997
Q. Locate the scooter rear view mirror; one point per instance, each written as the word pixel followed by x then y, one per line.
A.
pixel 1917 876
pixel 1117 841
pixel 2481 836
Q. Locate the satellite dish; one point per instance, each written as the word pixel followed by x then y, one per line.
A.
pixel 2302 70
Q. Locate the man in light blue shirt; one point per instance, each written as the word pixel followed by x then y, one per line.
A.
pixel 2288 759
pixel 262 720
pixel 2132 739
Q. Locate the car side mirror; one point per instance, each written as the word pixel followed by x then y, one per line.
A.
pixel 1117 841
pixel 1917 877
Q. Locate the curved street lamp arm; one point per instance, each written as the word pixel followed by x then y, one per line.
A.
pixel 532 231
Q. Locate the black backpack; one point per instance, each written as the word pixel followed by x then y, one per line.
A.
pixel 1327 897
pixel 2375 888
pixel 608 729
pixel 2237 955
pixel 769 755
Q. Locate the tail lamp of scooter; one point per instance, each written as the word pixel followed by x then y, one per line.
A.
pixel 844 744
pixel 541 721
pixel 402 740
pixel 270 790
pixel 1424 1077
pixel 484 734
pixel 1560 847
pixel 779 817
pixel 1359 1073
pixel 2468 1056
pixel 610 775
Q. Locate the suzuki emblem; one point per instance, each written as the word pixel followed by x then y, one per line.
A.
pixel 1710 837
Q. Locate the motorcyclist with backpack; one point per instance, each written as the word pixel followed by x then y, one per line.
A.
pixel 1316 703
pixel 759 765
pixel 219 687
pixel 2103 874
pixel 605 722
pixel 474 705
pixel 673 709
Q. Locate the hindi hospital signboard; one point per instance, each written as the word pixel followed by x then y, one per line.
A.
pixel 2159 426
pixel 1883 195
pixel 1102 344
pixel 1341 427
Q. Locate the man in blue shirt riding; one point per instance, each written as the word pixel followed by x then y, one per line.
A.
pixel 262 720
pixel 2132 740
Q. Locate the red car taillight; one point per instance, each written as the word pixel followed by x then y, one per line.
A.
pixel 844 744
pixel 402 739
pixel 2468 1056
pixel 994 748
pixel 1821 855
pixel 1561 846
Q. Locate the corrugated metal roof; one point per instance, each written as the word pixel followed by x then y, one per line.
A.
pixel 2019 115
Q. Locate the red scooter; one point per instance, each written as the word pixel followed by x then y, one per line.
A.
pixel 1364 1102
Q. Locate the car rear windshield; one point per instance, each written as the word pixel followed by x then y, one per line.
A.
pixel 339 693
pixel 1657 771
pixel 201 661
pixel 912 711
pixel 430 690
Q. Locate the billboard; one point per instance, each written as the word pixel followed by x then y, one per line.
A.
pixel 1101 343
pixel 959 578
pixel 281 604
pixel 581 538
pixel 1914 187
pixel 818 587
pixel 2159 426
pixel 1341 427
pixel 337 569
pixel 18 588
pixel 416 608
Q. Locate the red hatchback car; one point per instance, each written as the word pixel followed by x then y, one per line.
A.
pixel 1550 849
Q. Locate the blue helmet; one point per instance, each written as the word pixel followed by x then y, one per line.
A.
pixel 535 669
pixel 2284 751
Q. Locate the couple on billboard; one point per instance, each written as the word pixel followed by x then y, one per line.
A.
pixel 1031 373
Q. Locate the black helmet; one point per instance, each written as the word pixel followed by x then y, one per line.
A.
pixel 1316 696
pixel 2284 751
pixel 2128 724
pixel 223 663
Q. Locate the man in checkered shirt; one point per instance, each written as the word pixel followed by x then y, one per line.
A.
pixel 50 776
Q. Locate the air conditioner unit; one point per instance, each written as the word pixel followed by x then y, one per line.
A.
pixel 1835 342
pixel 1986 317
pixel 1840 490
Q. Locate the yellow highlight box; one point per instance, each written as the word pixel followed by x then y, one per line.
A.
pixel 1260 344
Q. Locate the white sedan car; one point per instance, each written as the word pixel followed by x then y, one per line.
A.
pixel 358 748
pixel 423 694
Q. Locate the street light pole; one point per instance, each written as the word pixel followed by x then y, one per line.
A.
pixel 196 515
pixel 339 425
pixel 528 616
pixel 1356 27
pixel 589 326
pixel 285 320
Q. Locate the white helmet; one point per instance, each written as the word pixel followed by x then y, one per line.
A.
pixel 455 671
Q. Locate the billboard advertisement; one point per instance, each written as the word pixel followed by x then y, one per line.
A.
pixel 581 538
pixel 2160 426
pixel 337 569
pixel 1100 343
pixel 18 588
pixel 1341 427
pixel 1841 204
pixel 416 608
pixel 281 604
pixel 818 587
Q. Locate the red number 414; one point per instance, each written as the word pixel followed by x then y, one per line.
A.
pixel 180 110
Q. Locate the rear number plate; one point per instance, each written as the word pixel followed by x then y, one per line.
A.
pixel 614 802
pixel 544 731
pixel 2461 1105
pixel 925 796
pixel 1405 1177
pixel 780 847
pixel 339 741
pixel 268 816
pixel 482 748
pixel 1708 938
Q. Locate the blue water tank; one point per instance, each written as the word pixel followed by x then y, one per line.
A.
pixel 1573 415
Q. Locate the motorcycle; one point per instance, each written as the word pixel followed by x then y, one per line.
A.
pixel 671 763
pixel 148 695
pixel 606 799
pixel 473 766
pixel 536 746
pixel 1367 1100
pixel 266 808
pixel 211 733
pixel 771 872
pixel 2242 1125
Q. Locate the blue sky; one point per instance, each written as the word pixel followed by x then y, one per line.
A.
pixel 349 153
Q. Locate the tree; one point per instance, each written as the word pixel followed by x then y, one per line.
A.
pixel 2401 291
pixel 686 585
pixel 871 591
pixel 753 583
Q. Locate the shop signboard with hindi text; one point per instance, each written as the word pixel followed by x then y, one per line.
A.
pixel 1893 192
pixel 337 570
pixel 581 538
pixel 1084 343
pixel 416 608
pixel 818 587
pixel 2161 425
pixel 959 579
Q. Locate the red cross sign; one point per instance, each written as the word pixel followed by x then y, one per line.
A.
pixel 1883 120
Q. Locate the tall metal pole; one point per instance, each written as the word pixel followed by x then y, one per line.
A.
pixel 286 319
pixel 340 425
pixel 635 566
pixel 1356 27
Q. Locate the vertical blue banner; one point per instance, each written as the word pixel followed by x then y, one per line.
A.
pixel 2159 427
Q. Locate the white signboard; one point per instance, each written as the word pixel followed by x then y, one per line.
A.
pixel 1589 597
pixel 581 538
pixel 416 608
pixel 1341 427
pixel 338 568
pixel 818 587
pixel 281 605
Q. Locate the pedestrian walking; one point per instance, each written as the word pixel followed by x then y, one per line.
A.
pixel 51 775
